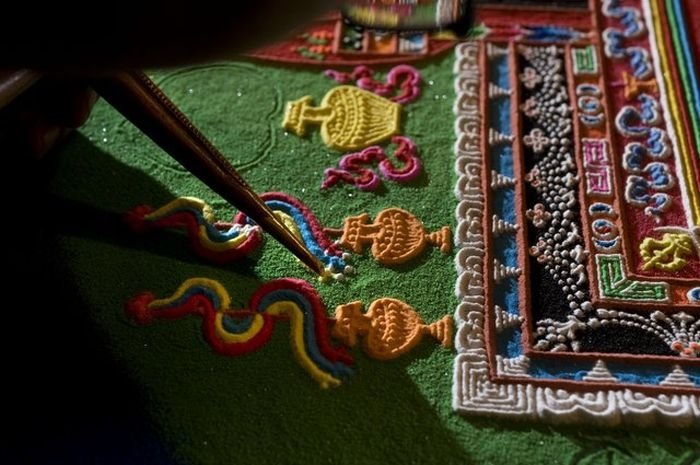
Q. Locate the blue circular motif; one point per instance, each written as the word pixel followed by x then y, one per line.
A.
pixel 694 295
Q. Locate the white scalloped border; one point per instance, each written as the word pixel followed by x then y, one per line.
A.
pixel 473 392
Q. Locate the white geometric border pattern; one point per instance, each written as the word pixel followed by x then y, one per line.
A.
pixel 473 391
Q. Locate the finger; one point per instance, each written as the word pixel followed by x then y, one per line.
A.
pixel 67 104
pixel 47 113
pixel 42 137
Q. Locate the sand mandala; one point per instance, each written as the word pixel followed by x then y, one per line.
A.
pixel 578 260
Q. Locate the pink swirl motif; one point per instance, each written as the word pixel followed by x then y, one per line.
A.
pixel 402 82
pixel 352 167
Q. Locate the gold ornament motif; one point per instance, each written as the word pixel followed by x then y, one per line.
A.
pixel 634 86
pixel 350 118
pixel 666 254
pixel 396 236
pixel 389 329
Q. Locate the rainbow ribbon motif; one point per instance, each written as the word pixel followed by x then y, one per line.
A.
pixel 235 332
pixel 216 242
pixel 304 224
pixel 222 242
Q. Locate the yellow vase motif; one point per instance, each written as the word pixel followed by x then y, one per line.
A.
pixel 389 329
pixel 350 118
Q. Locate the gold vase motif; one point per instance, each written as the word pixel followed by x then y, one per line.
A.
pixel 350 118
pixel 389 329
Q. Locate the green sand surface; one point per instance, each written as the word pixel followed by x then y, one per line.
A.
pixel 262 408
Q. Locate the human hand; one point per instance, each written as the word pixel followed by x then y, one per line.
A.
pixel 38 119
pixel 146 35
pixel 77 37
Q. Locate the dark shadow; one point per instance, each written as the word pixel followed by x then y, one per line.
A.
pixel 67 401
pixel 71 402
pixel 79 219
pixel 378 415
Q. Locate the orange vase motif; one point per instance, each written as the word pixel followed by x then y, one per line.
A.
pixel 396 236
pixel 350 118
pixel 389 329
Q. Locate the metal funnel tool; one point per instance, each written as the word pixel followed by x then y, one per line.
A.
pixel 423 15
